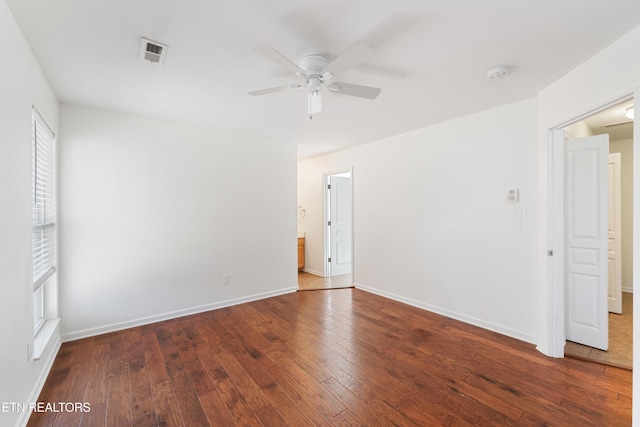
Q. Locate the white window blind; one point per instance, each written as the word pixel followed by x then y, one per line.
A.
pixel 43 188
pixel 38 309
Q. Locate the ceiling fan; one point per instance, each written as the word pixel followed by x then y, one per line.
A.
pixel 316 70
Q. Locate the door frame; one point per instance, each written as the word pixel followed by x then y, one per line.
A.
pixel 555 216
pixel 617 219
pixel 325 218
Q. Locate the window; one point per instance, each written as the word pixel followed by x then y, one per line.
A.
pixel 43 193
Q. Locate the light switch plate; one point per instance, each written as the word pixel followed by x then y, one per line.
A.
pixel 520 211
pixel 516 224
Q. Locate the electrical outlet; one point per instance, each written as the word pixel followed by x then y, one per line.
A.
pixel 226 279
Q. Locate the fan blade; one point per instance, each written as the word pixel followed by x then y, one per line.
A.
pixel 360 91
pixel 353 56
pixel 275 56
pixel 273 90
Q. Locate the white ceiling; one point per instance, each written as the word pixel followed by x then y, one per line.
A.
pixel 613 122
pixel 430 58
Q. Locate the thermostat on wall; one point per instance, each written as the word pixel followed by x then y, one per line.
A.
pixel 513 195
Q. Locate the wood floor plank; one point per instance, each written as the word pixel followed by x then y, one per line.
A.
pixel 591 414
pixel 201 381
pixel 353 378
pixel 420 415
pixel 192 413
pixel 330 357
pixel 167 342
pixel 216 410
pixel 96 417
pixel 358 409
pixel 148 420
pixel 240 410
pixel 487 387
pixel 117 361
pixel 118 400
pixel 263 370
pixel 308 360
pixel 293 414
pixel 312 388
pixel 308 401
pixel 154 361
pixel 141 397
pixel 166 405
pixel 243 382
pixel 72 392
pixel 269 416
pixel 96 392
pixel 347 418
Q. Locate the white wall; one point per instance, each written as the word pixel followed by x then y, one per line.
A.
pixel 153 214
pixel 578 130
pixel 431 225
pixel 22 85
pixel 625 148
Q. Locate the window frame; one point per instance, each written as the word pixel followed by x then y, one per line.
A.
pixel 44 224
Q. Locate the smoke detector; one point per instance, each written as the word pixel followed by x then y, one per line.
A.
pixel 498 72
pixel 153 51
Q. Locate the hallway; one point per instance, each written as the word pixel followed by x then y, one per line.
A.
pixel 620 351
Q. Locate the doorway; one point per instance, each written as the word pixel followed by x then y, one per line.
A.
pixel 616 306
pixel 337 225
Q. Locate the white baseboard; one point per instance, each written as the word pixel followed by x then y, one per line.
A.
pixel 315 273
pixel 85 333
pixel 628 290
pixel 47 364
pixel 453 315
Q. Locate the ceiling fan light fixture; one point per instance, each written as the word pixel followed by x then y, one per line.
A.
pixel 314 83
pixel 315 102
pixel 629 112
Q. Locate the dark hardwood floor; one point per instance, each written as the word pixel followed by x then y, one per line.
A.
pixel 335 357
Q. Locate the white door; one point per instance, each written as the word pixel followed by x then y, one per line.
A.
pixel 586 188
pixel 615 240
pixel 340 224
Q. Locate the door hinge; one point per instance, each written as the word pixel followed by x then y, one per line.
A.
pixel 329 223
pixel 550 252
pixel 329 259
pixel 329 187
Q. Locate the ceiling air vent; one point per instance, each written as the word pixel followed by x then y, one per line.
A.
pixel 153 51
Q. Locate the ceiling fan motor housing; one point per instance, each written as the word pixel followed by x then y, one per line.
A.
pixel 313 64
